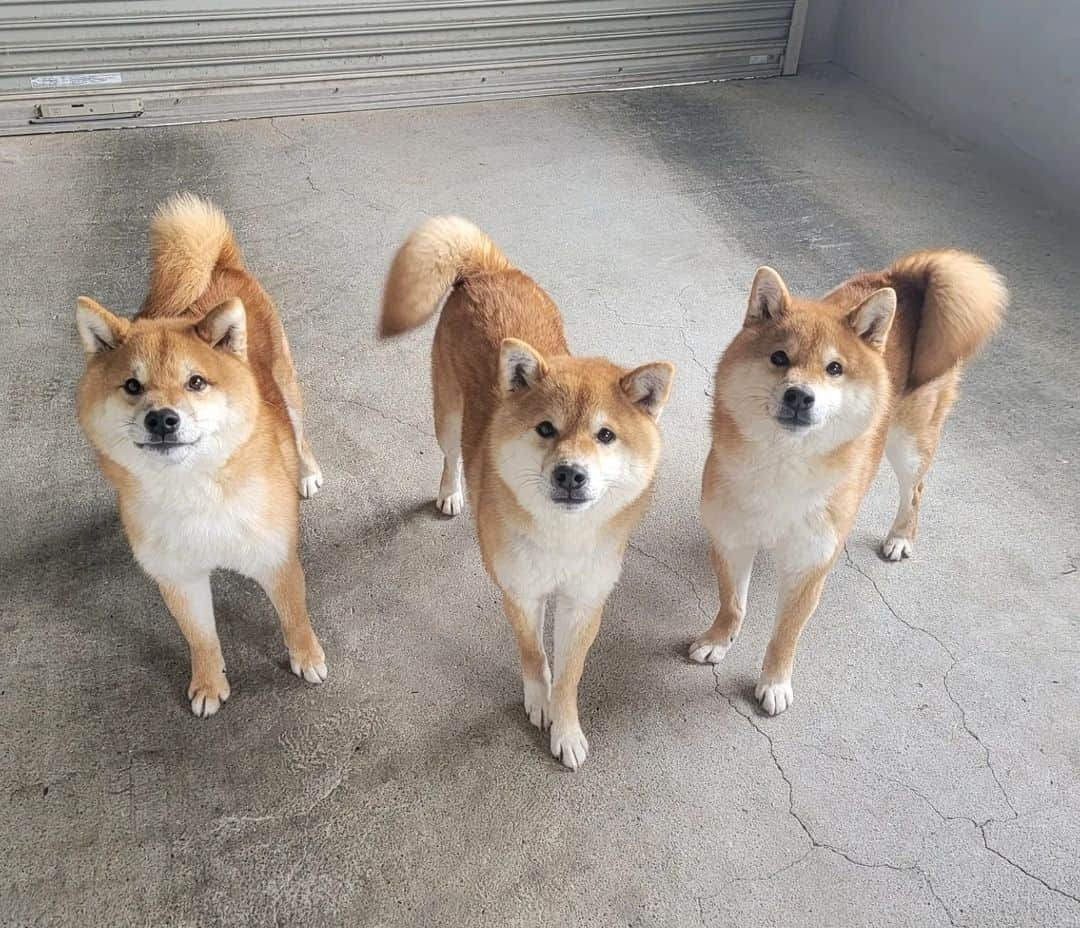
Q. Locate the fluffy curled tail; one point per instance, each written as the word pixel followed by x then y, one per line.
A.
pixel 963 303
pixel 190 240
pixel 442 251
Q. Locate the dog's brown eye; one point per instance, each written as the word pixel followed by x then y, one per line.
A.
pixel 132 387
pixel 545 429
pixel 834 369
pixel 780 359
pixel 196 383
pixel 605 436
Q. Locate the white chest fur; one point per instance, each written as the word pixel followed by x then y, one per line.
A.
pixel 189 527
pixel 568 558
pixel 777 502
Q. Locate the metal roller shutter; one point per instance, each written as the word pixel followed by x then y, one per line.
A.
pixel 74 64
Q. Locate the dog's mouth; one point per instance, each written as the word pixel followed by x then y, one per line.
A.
pixel 794 421
pixel 164 446
pixel 571 501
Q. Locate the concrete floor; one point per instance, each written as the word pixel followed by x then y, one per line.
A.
pixel 929 772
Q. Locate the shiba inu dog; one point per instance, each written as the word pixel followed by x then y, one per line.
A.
pixel 808 396
pixel 194 411
pixel 559 452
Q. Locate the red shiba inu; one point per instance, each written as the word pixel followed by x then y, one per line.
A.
pixel 808 396
pixel 559 452
pixel 194 411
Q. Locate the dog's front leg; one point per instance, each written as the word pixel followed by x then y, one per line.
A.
pixel 576 625
pixel 192 605
pixel 733 566
pixel 799 596
pixel 287 591
pixel 527 620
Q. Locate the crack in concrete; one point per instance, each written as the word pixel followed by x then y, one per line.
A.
pixel 689 347
pixel 390 417
pixel 627 322
pixel 979 826
pixel 954 661
pixel 665 326
pixel 697 361
pixel 280 131
pixel 671 570
pixel 941 902
pixel 300 159
pixel 815 843
pixel 897 782
pixel 1012 863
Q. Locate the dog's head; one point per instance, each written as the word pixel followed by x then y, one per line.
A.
pixel 166 393
pixel 571 435
pixel 805 372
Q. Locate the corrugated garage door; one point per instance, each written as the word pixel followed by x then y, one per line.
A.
pixel 73 64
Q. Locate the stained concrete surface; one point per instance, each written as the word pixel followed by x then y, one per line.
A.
pixel 928 772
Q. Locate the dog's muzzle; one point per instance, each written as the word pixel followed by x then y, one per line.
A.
pixel 796 407
pixel 162 426
pixel 569 485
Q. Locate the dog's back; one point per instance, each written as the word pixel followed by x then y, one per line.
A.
pixel 948 305
pixel 449 262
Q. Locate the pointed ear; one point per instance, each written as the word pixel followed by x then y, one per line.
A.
pixel 520 367
pixel 649 386
pixel 769 297
pixel 98 328
pixel 873 317
pixel 224 328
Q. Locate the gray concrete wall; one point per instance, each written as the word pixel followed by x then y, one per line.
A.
pixel 1003 76
pixel 819 39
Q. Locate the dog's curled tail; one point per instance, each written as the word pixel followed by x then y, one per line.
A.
pixel 190 240
pixel 438 254
pixel 963 303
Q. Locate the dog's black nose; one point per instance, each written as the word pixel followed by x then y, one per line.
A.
pixel 162 421
pixel 798 398
pixel 570 477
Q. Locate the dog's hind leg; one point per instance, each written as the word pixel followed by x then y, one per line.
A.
pixel 910 447
pixel 449 407
pixel 192 605
pixel 311 478
pixel 905 456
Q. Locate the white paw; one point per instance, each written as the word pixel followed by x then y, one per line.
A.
pixel 537 707
pixel 312 671
pixel 568 744
pixel 775 697
pixel 704 651
pixel 207 697
pixel 310 484
pixel 895 548
pixel 451 504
